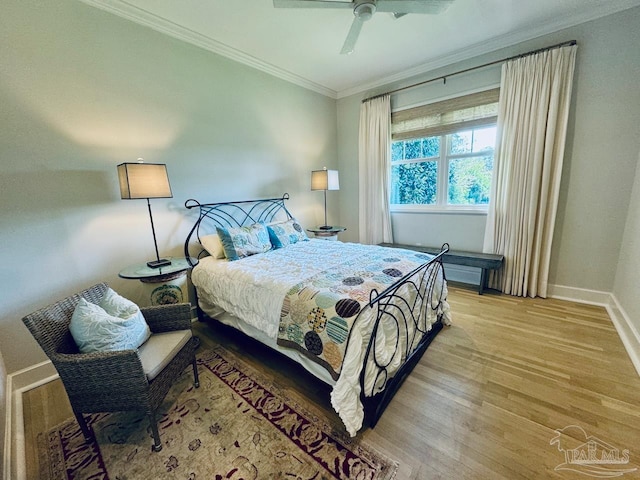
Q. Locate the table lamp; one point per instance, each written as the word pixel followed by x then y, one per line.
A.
pixel 325 180
pixel 145 180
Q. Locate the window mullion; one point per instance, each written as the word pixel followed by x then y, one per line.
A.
pixel 443 168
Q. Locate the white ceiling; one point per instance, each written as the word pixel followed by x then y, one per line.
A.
pixel 302 45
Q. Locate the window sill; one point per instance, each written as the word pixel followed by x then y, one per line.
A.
pixel 439 209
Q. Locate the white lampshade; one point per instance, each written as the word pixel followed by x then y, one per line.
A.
pixel 144 180
pixel 325 180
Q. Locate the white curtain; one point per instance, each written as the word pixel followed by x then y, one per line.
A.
pixel 374 157
pixel 535 94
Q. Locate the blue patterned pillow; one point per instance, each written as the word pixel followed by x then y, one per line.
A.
pixel 285 233
pixel 244 241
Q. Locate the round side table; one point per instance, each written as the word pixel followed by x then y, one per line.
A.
pixel 163 285
pixel 327 233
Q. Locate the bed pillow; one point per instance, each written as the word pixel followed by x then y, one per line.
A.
pixel 244 241
pixel 285 233
pixel 118 326
pixel 213 245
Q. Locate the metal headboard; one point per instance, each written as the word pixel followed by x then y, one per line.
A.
pixel 232 215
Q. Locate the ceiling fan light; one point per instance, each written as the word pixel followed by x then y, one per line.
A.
pixel 364 11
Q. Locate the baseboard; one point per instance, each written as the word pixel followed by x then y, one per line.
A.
pixel 621 321
pixel 18 383
pixel 579 295
pixel 626 330
pixel 8 433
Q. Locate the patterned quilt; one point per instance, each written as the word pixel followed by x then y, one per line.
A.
pixel 318 313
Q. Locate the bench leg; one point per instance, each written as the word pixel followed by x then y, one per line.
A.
pixel 484 280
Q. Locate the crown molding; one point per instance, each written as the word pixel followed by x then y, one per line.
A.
pixel 142 17
pixel 159 24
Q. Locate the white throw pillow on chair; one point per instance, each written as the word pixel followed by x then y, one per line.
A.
pixel 115 324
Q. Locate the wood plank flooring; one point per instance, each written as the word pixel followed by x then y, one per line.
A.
pixel 484 401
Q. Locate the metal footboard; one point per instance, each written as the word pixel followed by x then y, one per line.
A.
pixel 405 308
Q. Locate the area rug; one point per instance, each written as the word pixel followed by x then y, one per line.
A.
pixel 237 425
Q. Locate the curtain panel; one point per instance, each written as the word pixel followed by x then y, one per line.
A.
pixel 374 160
pixel 535 95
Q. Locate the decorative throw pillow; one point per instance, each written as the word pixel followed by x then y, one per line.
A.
pixel 213 245
pixel 285 233
pixel 95 329
pixel 118 306
pixel 244 241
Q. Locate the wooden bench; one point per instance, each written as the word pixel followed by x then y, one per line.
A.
pixel 485 261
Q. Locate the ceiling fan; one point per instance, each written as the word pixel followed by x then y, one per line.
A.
pixel 363 10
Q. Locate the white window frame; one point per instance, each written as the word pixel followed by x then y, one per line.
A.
pixel 442 188
pixel 423 120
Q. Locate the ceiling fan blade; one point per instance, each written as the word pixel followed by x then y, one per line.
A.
pixel 352 37
pixel 413 6
pixel 312 4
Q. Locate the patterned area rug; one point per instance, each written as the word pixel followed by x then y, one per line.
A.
pixel 237 425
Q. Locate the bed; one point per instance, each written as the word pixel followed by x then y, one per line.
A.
pixel 357 317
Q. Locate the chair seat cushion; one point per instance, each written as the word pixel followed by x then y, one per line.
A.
pixel 159 350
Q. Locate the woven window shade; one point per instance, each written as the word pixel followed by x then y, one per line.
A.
pixel 447 116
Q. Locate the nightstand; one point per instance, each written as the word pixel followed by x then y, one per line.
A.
pixel 164 285
pixel 326 233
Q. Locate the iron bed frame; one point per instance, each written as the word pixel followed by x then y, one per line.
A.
pixel 388 305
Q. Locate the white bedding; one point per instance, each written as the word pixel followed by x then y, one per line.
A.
pixel 253 289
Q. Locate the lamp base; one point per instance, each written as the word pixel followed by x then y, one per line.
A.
pixel 326 227
pixel 158 263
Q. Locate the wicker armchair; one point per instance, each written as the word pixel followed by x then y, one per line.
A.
pixel 117 381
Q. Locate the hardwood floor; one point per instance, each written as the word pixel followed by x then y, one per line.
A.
pixel 484 401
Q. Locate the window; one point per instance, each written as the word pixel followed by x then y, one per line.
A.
pixel 442 154
pixel 423 173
